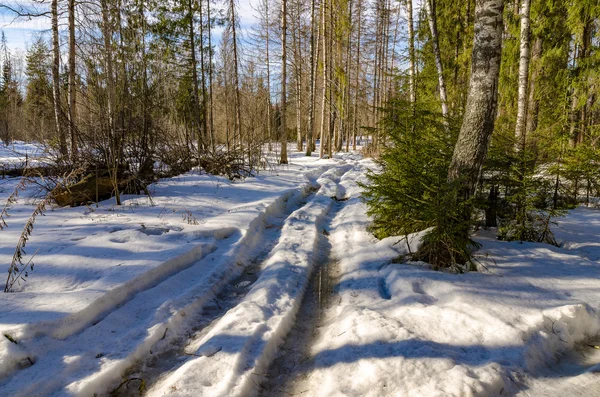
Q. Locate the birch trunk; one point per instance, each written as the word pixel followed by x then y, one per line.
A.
pixel 432 19
pixel 480 113
pixel 520 129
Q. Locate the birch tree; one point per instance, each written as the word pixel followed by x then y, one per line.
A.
pixel 480 114
pixel 520 129
pixel 432 19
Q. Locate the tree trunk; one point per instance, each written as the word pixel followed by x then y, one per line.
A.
pixel 72 88
pixel 268 65
pixel 203 81
pixel 533 103
pixel 311 109
pixel 347 67
pixel 411 52
pixel 478 123
pixel 210 76
pixel 62 141
pixel 113 153
pixel 236 77
pixel 284 158
pixel 332 113
pixel 431 16
pixel 520 129
pixel 357 77
pixel 325 79
pixel 298 78
pixel 194 66
pixel 377 68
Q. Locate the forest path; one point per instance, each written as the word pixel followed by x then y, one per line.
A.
pixel 150 369
pixel 161 313
pixel 240 335
pixel 294 355
pixel 287 372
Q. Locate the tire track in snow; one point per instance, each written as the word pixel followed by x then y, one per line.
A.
pixel 232 354
pixel 294 355
pixel 93 359
pixel 170 357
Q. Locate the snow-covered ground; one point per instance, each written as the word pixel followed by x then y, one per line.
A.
pixel 19 154
pixel 193 293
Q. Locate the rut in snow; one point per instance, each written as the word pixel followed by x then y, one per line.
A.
pixel 94 359
pixel 294 354
pixel 146 372
pixel 230 356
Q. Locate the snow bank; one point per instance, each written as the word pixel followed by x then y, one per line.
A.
pixel 405 330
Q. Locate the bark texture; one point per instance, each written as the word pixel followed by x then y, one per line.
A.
pixel 480 113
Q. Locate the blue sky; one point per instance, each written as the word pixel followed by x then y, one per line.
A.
pixel 21 32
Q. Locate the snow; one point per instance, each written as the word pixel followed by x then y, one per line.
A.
pixel 196 290
pixel 18 154
pixel 410 331
pixel 247 337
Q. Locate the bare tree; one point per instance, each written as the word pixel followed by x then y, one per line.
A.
pixel 194 68
pixel 72 84
pixel 56 81
pixel 325 77
pixel 298 63
pixel 313 81
pixel 114 146
pixel 210 76
pixel 357 76
pixel 283 126
pixel 236 73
